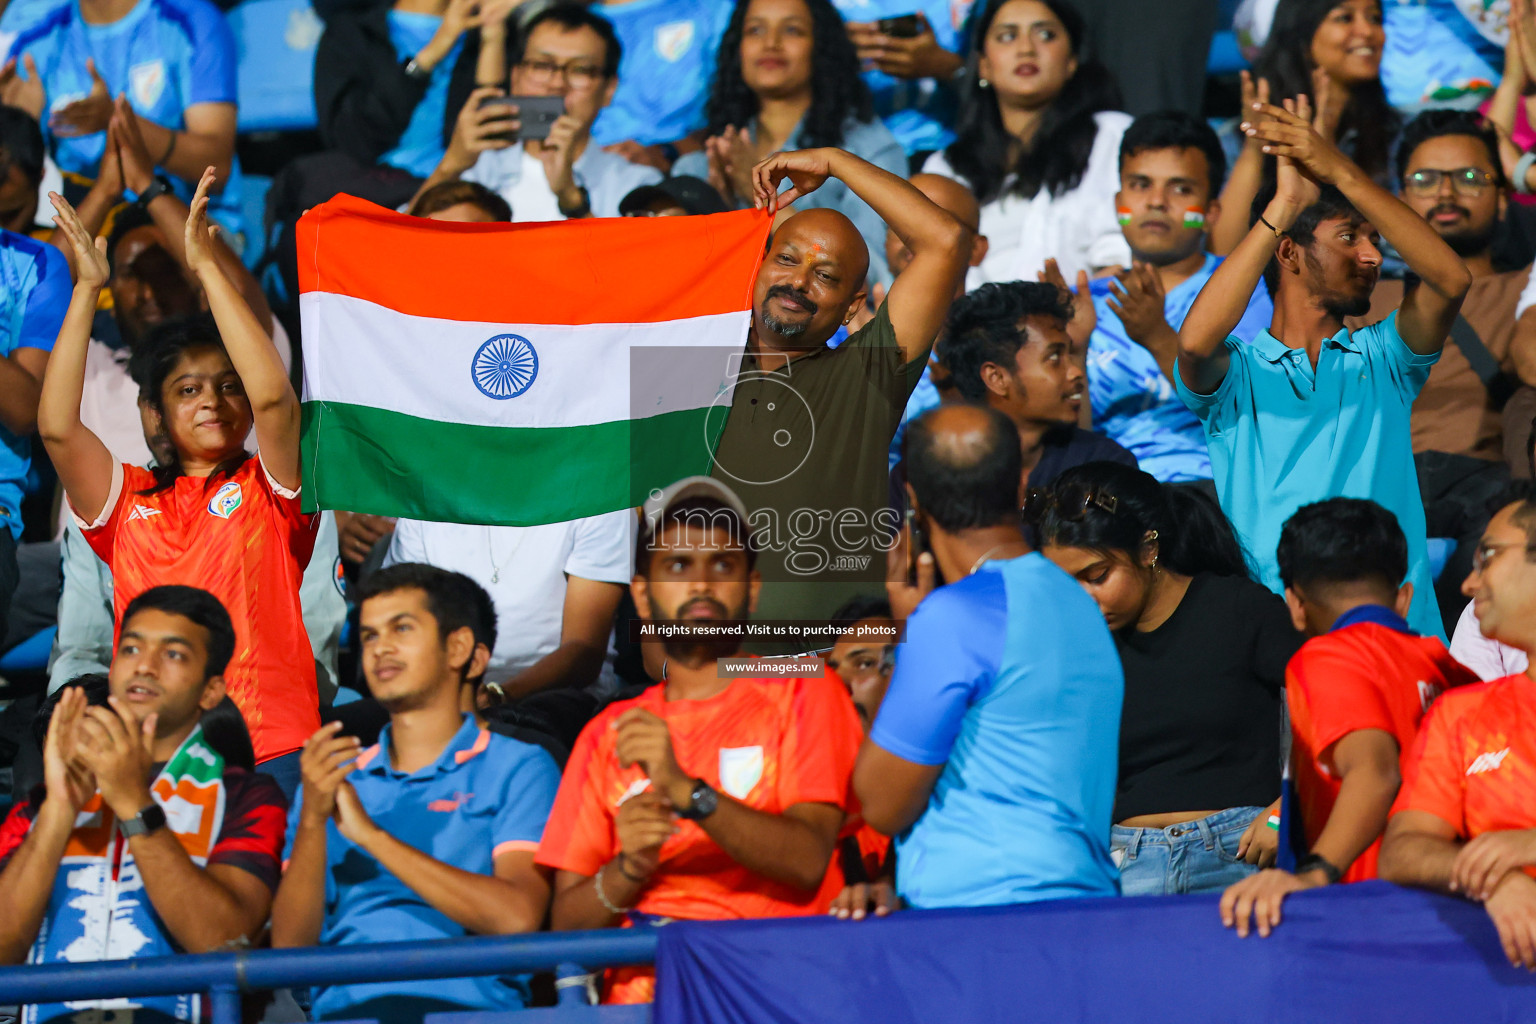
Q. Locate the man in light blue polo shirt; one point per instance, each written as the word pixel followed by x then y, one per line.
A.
pixel 1171 169
pixel 993 757
pixel 1308 409
pixel 431 832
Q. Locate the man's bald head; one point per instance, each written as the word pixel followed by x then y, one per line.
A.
pixel 811 280
pixel 964 464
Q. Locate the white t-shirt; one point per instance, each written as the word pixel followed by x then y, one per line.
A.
pixel 1487 657
pixel 524 569
pixel 518 177
pixel 1078 227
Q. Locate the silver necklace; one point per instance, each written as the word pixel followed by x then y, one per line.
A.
pixel 490 549
pixel 987 556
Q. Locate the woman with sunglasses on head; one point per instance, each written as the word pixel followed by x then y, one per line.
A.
pixel 1038 142
pixel 1204 649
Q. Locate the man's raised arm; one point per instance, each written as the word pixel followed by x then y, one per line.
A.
pixel 1427 312
pixel 1203 359
pixel 940 245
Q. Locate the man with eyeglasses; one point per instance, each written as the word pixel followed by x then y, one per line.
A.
pixel 1452 177
pixel 1464 822
pixel 565 51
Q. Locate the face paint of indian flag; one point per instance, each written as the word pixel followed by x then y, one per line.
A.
pixel 1123 214
pixel 1194 218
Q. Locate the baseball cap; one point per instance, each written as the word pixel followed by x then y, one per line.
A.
pixel 661 502
pixel 693 194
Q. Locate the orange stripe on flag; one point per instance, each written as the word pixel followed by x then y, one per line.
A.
pixel 612 271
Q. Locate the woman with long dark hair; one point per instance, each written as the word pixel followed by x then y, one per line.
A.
pixel 787 77
pixel 1204 649
pixel 1329 50
pixel 1038 142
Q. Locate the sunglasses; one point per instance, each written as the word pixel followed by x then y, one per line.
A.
pixel 1069 503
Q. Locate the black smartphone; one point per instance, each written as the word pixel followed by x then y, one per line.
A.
pixel 499 101
pixel 905 26
pixel 538 114
pixel 917 544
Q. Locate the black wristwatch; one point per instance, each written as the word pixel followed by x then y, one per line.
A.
pixel 702 801
pixel 157 188
pixel 580 211
pixel 1316 862
pixel 414 70
pixel 150 819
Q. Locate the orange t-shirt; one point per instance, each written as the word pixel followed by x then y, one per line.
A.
pixel 243 539
pixel 1364 676
pixel 1474 763
pixel 769 743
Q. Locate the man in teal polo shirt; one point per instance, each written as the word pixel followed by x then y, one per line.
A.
pixel 431 832
pixel 1308 409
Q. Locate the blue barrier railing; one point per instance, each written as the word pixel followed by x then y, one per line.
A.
pixel 225 976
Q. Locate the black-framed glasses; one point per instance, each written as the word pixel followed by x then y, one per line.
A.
pixel 1467 181
pixel 578 74
pixel 1069 503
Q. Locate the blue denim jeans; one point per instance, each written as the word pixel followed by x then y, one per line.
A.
pixel 1191 857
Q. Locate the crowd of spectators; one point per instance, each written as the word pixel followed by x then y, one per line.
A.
pixel 1146 446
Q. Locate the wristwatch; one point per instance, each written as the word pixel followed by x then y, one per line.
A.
pixel 415 70
pixel 1315 862
pixel 150 819
pixel 582 210
pixel 702 801
pixel 159 187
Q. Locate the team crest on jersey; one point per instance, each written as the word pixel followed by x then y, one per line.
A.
pixel 672 41
pixel 741 768
pixel 146 83
pixel 225 500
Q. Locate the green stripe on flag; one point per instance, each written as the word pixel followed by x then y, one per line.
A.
pixel 362 459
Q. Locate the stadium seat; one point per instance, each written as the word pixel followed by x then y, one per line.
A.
pixel 275 41
pixel 1440 551
pixel 1225 57
pixel 31 655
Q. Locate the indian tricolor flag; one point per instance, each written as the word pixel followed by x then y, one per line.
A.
pixel 516 374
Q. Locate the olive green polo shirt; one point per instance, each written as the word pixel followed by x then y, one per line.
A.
pixel 806 447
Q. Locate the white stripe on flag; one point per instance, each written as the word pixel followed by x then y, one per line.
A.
pixel 421 366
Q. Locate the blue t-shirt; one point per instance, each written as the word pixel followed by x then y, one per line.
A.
pixel 921 112
pixel 485 795
pixel 1010 680
pixel 421 144
pixel 665 71
pixel 34 295
pixel 1134 403
pixel 1283 435
pixel 166 55
pixel 1442 53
